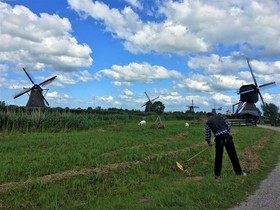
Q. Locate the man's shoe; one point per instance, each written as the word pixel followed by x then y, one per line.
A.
pixel 243 174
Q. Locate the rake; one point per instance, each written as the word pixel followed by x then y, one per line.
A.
pixel 181 167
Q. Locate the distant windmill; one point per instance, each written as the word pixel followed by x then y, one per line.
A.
pixel 214 109
pixel 192 107
pixel 249 95
pixel 36 97
pixel 149 103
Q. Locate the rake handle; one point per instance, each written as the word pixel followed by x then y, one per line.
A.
pixel 197 154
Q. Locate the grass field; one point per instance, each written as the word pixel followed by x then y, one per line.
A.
pixel 125 166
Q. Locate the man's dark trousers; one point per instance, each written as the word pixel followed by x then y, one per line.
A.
pixel 221 141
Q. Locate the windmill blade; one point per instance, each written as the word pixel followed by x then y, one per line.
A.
pixel 255 81
pixel 28 76
pixel 144 104
pixel 155 98
pixel 247 91
pixel 267 84
pixel 22 92
pixel 147 96
pixel 262 99
pixel 41 92
pixel 47 81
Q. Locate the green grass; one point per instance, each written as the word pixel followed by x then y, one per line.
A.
pixel 147 177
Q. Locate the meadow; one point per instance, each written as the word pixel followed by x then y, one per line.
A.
pixel 120 165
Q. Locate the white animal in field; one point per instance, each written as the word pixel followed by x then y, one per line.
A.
pixel 187 124
pixel 142 122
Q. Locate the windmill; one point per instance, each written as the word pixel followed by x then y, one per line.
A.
pixel 36 97
pixel 149 103
pixel 214 109
pixel 249 95
pixel 192 107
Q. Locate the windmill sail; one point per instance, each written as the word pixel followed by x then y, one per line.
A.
pixel 149 103
pixel 249 95
pixel 36 97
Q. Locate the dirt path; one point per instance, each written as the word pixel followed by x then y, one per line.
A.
pixel 268 194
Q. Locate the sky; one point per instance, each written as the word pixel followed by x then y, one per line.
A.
pixel 108 53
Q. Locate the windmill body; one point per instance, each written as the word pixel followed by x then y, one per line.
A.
pixel 192 107
pixel 149 103
pixel 249 95
pixel 214 110
pixel 36 97
pixel 148 106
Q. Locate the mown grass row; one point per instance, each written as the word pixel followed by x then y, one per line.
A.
pixel 151 179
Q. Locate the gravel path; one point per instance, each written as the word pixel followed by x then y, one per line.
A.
pixel 267 197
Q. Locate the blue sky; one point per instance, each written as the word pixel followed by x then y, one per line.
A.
pixel 107 53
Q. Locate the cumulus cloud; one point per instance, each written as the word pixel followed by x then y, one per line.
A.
pixel 138 72
pixel 135 3
pixel 138 35
pixel 192 26
pixel 223 99
pixel 40 41
pixel 211 83
pixel 216 64
pixel 56 95
pixel 127 92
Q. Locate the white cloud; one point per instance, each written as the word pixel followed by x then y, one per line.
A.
pixel 138 72
pixel 127 92
pixel 56 95
pixel 139 36
pixel 58 98
pixel 135 3
pixel 193 26
pixel 211 83
pixel 40 40
pixel 272 98
pixel 106 98
pixel 216 64
pixel 223 99
pixel 118 83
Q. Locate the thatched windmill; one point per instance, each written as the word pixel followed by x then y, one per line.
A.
pixel 36 97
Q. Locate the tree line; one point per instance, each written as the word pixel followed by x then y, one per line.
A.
pixel 24 119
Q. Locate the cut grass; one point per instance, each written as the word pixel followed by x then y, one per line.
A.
pixel 136 168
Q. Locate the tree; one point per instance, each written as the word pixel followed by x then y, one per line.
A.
pixel 158 107
pixel 270 111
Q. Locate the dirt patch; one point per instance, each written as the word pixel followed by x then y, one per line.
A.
pixel 100 130
pixel 182 135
